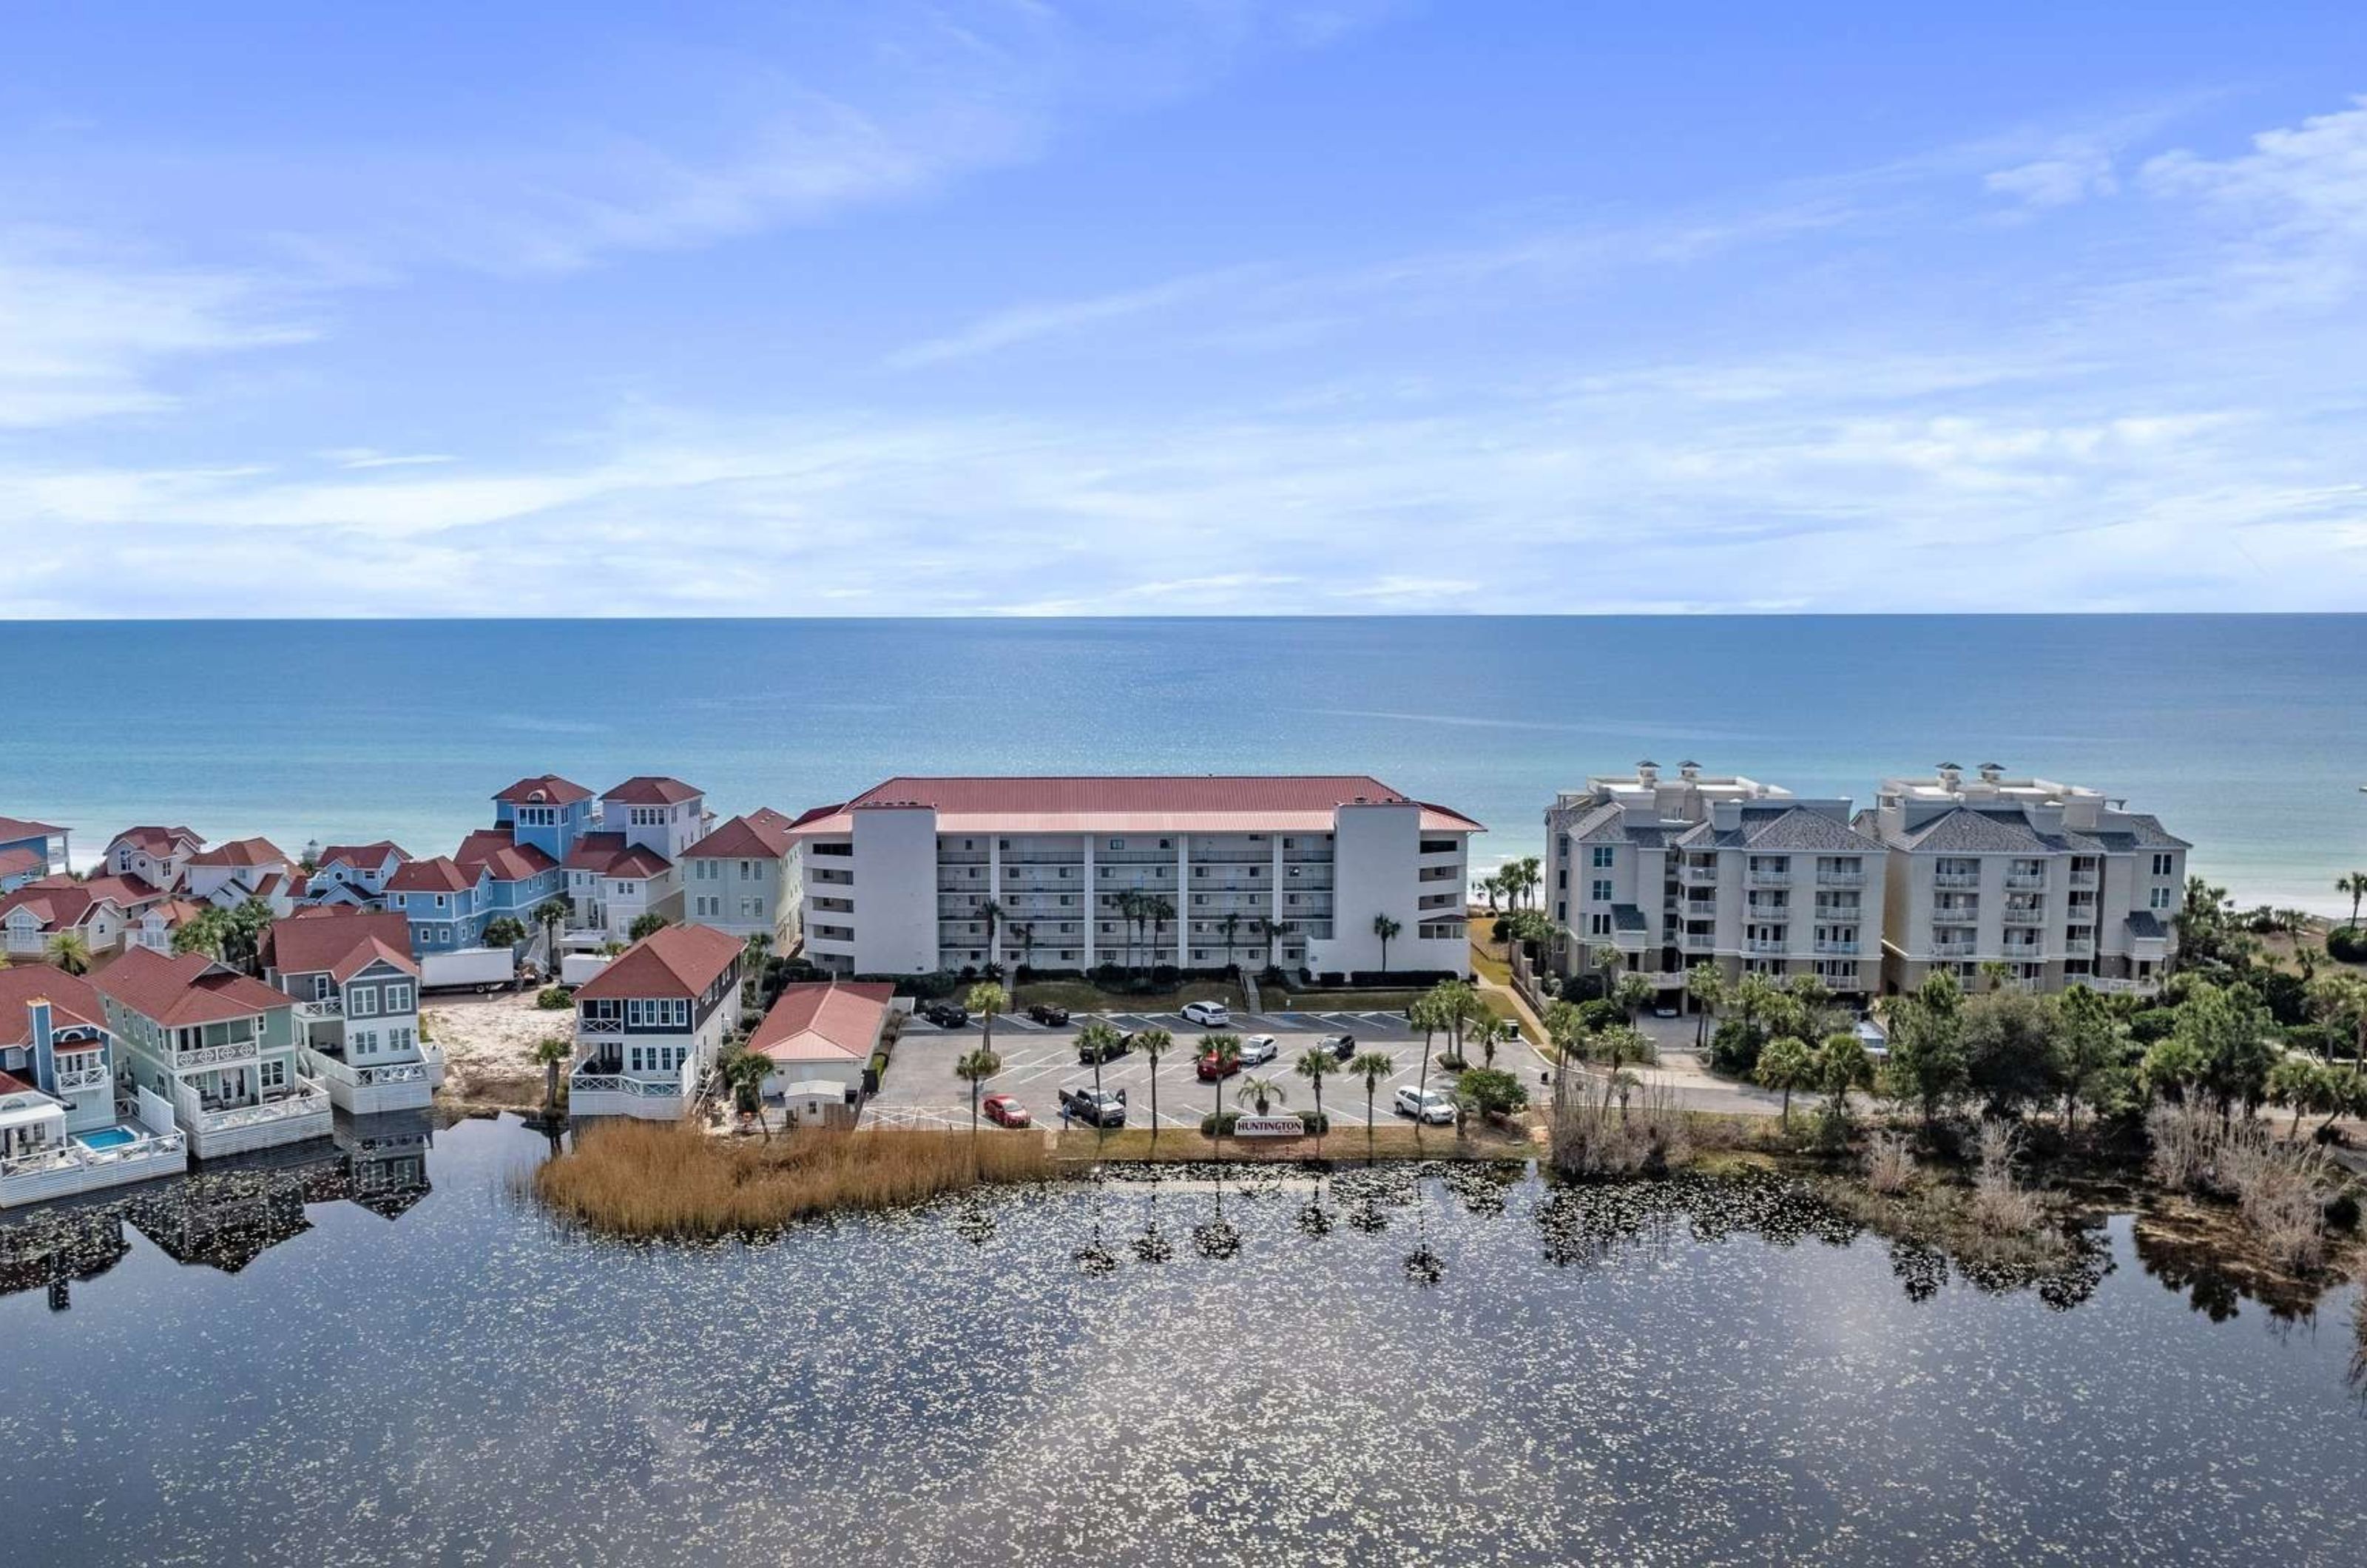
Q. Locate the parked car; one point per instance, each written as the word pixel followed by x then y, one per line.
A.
pixel 1095 1107
pixel 1665 1010
pixel 1208 1015
pixel 1047 1013
pixel 1213 1067
pixel 1258 1050
pixel 1342 1046
pixel 1004 1110
pixel 1086 1051
pixel 1424 1105
pixel 945 1015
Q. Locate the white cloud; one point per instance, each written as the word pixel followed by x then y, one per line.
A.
pixel 2072 175
pixel 1026 324
pixel 2296 204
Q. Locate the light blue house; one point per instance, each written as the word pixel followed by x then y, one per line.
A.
pixel 546 812
pixel 448 906
pixel 29 852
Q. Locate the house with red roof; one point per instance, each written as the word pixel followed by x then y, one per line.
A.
pixel 742 878
pixel 227 874
pixel 30 851
pixel 58 1134
pixel 216 1048
pixel 650 1026
pixel 445 903
pixel 547 811
pixel 101 910
pixel 357 992
pixel 820 1037
pixel 1334 874
pixel 154 855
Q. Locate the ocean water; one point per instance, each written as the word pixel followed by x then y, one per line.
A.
pixel 2245 733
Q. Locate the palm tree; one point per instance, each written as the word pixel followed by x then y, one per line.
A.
pixel 1315 1065
pixel 755 953
pixel 1785 1064
pixel 1608 958
pixel 1425 1015
pixel 745 1072
pixel 1026 931
pixel 202 932
pixel 551 1051
pixel 1371 1066
pixel 1491 887
pixel 1707 987
pixel 70 952
pixel 504 930
pixel 1269 932
pixel 1488 1032
pixel 1097 1040
pixel 974 1069
pixel 992 913
pixel 1993 971
pixel 1227 1050
pixel 2355 886
pixel 1632 995
pixel 988 1001
pixel 1617 1046
pixel 1162 910
pixel 1385 928
pixel 1265 1093
pixel 1231 926
pixel 551 915
pixel 1153 1043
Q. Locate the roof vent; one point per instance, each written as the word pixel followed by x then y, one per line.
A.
pixel 1992 772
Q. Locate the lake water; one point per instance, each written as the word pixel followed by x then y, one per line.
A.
pixel 2243 732
pixel 362 1358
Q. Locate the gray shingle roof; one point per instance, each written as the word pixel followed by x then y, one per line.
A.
pixel 1606 824
pixel 1785 828
pixel 2146 925
pixel 1968 832
pixel 1627 917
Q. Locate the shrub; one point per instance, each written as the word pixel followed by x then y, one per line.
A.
pixel 1733 1049
pixel 2313 1039
pixel 554 998
pixel 1450 1062
pixel 1497 1094
pixel 1889 1163
pixel 2001 1206
pixel 2348 944
pixel 1598 1136
pixel 877 1065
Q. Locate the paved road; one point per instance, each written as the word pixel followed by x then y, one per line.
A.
pixel 922 1090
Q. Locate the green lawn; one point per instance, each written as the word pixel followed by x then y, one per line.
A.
pixel 1336 1001
pixel 1083 995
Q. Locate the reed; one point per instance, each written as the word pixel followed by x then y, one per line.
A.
pixel 670 1181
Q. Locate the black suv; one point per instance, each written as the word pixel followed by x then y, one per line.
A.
pixel 1048 1012
pixel 1342 1046
pixel 945 1015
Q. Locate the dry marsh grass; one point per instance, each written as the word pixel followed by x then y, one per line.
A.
pixel 672 1182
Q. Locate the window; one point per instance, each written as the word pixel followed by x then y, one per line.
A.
pixel 361 1002
pixel 2164 864
pixel 1117 844
pixel 1602 855
pixel 1598 925
pixel 1600 890
pixel 2162 899
pixel 271 1073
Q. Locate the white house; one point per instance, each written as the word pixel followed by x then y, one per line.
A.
pixel 650 1025
pixel 819 1036
pixel 353 874
pixel 357 991
pixel 920 874
pixel 59 1132
pixel 227 874
pixel 154 855
pixel 100 910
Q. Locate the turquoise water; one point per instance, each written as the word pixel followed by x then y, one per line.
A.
pixel 105 1138
pixel 2243 732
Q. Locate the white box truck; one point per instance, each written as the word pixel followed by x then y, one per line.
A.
pixel 468 968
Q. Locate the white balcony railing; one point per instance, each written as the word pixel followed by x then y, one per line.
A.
pixel 1829 877
pixel 71 1080
pixel 1951 950
pixel 1768 945
pixel 2025 881
pixel 2023 917
pixel 1698 875
pixel 2083 879
pixel 324 1007
pixel 1956 879
pixel 1767 876
pixel 307 1099
pixel 212 1055
pixel 1843 947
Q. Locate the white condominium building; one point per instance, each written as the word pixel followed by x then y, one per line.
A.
pixel 1726 871
pixel 2054 880
pixel 921 875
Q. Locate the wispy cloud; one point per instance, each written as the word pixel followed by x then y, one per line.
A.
pixel 1027 323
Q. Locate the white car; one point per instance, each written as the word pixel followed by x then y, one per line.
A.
pixel 1425 1105
pixel 1258 1049
pixel 1208 1015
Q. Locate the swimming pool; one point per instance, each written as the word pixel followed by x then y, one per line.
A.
pixel 105 1138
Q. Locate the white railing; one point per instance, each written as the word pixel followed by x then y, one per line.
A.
pixel 1951 950
pixel 82 1078
pixel 322 1006
pixel 209 1056
pixel 1699 875
pixel 2083 879
pixel 1956 879
pixel 2023 916
pixel 1764 945
pixel 2025 882
pixel 599 1026
pixel 1840 879
pixel 2079 947
pixel 1837 947
pixel 1761 876
pixel 308 1102
pixel 618 1083
pixel 74 1156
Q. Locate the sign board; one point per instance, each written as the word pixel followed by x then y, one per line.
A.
pixel 1269 1127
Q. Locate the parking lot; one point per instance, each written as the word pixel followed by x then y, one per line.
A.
pixel 1038 1062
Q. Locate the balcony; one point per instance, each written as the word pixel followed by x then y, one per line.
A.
pixel 322 1006
pixel 2026 881
pixel 961 857
pixel 1956 879
pixel 1768 945
pixel 1953 948
pixel 214 1056
pixel 1694 875
pixel 2083 879
pixel 2019 916
pixel 1829 876
pixel 2080 947
pixel 1696 941
pixel 1776 913
pixel 1842 912
pixel 1842 948
pixel 1768 876
pixel 70 1079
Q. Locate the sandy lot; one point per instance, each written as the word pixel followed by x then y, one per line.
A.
pixel 489 1046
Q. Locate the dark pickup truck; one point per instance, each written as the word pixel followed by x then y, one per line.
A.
pixel 1095 1107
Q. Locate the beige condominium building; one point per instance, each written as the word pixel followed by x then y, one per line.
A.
pixel 1675 871
pixel 920 874
pixel 2060 884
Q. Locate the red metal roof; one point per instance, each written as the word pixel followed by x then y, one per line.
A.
pixel 242 852
pixel 823 1021
pixel 494 849
pixel 608 854
pixel 362 856
pixel 763 835
pixel 678 961
pixel 435 875
pixel 72 999
pixel 186 989
pixel 544 789
pixel 650 789
pixel 156 840
pixel 342 945
pixel 14 828
pixel 15 861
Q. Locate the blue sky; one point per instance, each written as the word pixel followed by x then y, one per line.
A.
pixel 1041 306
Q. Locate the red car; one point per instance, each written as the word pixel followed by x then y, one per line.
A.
pixel 1004 1110
pixel 1213 1067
